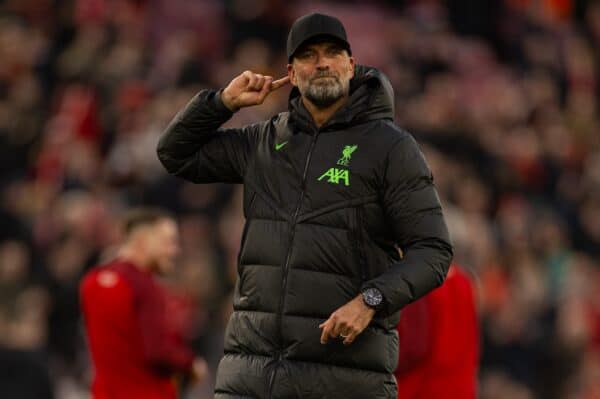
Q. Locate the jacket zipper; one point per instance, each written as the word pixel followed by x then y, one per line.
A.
pixel 286 265
pixel 243 242
pixel 357 239
pixel 361 250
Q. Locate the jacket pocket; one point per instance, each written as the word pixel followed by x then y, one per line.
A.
pixel 357 242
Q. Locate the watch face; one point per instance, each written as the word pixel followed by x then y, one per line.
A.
pixel 372 297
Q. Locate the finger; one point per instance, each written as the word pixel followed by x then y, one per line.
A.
pixel 325 333
pixel 350 338
pixel 345 332
pixel 280 83
pixel 266 88
pixel 336 329
pixel 251 81
pixel 247 75
pixel 259 82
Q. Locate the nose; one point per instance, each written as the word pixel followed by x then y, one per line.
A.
pixel 322 62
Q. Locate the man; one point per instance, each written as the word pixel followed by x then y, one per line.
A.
pixel 439 342
pixel 329 188
pixel 135 350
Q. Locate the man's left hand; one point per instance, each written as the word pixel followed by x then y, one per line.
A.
pixel 347 322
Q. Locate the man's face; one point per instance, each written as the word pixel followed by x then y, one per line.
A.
pixel 322 72
pixel 161 243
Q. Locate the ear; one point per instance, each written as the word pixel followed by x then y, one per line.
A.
pixel 292 74
pixel 351 67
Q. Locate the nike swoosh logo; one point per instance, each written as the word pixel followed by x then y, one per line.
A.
pixel 280 146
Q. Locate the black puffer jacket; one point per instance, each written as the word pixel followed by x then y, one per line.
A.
pixel 324 208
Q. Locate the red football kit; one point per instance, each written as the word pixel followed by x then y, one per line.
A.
pixel 439 343
pixel 135 350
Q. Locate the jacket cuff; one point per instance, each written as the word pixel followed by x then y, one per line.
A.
pixel 386 308
pixel 383 305
pixel 219 105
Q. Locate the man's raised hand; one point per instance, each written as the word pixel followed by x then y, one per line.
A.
pixel 249 89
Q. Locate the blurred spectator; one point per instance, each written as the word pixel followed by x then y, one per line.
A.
pixel 136 330
pixel 439 342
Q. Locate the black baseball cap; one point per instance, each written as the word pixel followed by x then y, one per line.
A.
pixel 311 26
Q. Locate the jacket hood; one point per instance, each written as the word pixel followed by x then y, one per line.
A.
pixel 371 97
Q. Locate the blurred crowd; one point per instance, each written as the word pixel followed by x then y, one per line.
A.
pixel 503 97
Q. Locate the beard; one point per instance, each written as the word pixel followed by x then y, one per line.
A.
pixel 323 89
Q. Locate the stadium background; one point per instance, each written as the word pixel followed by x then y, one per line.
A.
pixel 502 95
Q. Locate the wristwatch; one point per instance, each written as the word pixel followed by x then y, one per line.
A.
pixel 372 297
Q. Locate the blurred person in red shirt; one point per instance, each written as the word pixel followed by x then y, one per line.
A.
pixel 136 348
pixel 439 342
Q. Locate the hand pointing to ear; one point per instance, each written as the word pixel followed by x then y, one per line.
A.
pixel 249 89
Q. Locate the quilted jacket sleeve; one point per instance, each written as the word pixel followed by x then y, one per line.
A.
pixel 413 207
pixel 195 148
